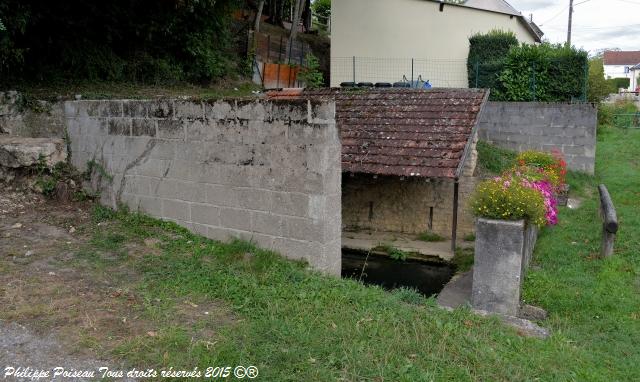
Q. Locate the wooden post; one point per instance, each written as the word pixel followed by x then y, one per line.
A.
pixel 609 222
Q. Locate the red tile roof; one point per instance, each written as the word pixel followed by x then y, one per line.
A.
pixel 612 57
pixel 402 132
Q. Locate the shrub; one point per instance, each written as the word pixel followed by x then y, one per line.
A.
pixel 599 87
pixel 138 41
pixel 486 56
pixel 542 72
pixel 508 198
pixel 311 75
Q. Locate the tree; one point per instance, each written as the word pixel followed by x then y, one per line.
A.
pixel 322 9
pixel 297 13
pixel 599 87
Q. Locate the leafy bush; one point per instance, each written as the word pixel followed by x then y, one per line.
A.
pixel 507 198
pixel 133 41
pixel 310 74
pixel 607 112
pixel 486 56
pixel 542 73
pixel 599 87
pixel 621 82
pixel 543 166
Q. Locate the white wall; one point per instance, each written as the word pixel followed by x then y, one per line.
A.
pixel 387 34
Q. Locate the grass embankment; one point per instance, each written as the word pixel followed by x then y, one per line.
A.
pixel 294 324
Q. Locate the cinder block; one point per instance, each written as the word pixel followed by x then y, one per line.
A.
pixel 221 195
pixel 171 129
pixel 305 229
pixel 267 223
pixel 119 126
pixel 220 110
pixel 252 199
pixel 205 214
pixel 135 109
pixel 189 110
pixel 143 127
pixel 235 218
pixel 161 109
pixel 291 204
pixel 176 209
pixel 150 205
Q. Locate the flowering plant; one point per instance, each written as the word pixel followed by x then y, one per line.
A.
pixel 553 165
pixel 509 198
pixel 526 191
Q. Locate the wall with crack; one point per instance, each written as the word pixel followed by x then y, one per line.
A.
pixel 266 171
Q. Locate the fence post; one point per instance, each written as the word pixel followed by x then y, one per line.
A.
pixel 354 70
pixel 411 83
pixel 477 71
pixel 534 81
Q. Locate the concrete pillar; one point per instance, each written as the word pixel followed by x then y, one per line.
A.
pixel 500 257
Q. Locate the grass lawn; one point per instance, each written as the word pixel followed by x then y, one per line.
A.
pixel 297 325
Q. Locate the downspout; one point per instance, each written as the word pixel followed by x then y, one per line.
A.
pixel 454 224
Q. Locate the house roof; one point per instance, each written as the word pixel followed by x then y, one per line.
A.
pixel 402 132
pixel 499 6
pixel 612 57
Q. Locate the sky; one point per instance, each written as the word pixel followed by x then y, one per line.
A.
pixel 597 24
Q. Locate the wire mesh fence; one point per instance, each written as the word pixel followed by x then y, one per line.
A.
pixel 543 81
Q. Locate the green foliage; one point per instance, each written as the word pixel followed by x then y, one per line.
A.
pixel 543 72
pixel 599 87
pixel 508 199
pixel 430 237
pixel 463 259
pixel 311 75
pixel 322 8
pixel 493 158
pixel 140 41
pixel 608 114
pixel 619 83
pixel 536 158
pixel 393 252
pixel 486 54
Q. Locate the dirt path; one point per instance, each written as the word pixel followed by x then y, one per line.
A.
pixel 71 296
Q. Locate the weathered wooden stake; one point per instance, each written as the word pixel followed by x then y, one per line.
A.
pixel 609 222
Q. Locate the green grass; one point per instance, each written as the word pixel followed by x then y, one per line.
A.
pixel 298 325
pixel 493 159
pixel 430 237
pixel 111 90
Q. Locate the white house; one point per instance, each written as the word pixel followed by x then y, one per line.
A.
pixel 618 64
pixel 376 40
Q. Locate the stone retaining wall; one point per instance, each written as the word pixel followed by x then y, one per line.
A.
pixel 263 171
pixel 520 126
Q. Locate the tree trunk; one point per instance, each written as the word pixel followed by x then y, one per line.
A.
pixel 256 25
pixel 297 13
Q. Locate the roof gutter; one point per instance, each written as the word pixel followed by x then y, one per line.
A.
pixel 474 130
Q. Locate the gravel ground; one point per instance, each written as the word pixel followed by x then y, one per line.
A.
pixel 31 355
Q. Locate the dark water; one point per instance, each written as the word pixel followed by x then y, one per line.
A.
pixel 428 278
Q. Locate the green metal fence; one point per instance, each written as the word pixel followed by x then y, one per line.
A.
pixel 554 81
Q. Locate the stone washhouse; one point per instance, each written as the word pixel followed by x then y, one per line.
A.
pixel 408 163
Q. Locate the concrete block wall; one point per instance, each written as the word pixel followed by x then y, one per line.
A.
pixel 521 126
pixel 41 119
pixel 266 171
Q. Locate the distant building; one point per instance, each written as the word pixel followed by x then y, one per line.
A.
pixel 384 35
pixel 618 64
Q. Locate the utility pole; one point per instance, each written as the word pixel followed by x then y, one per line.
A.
pixel 569 28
